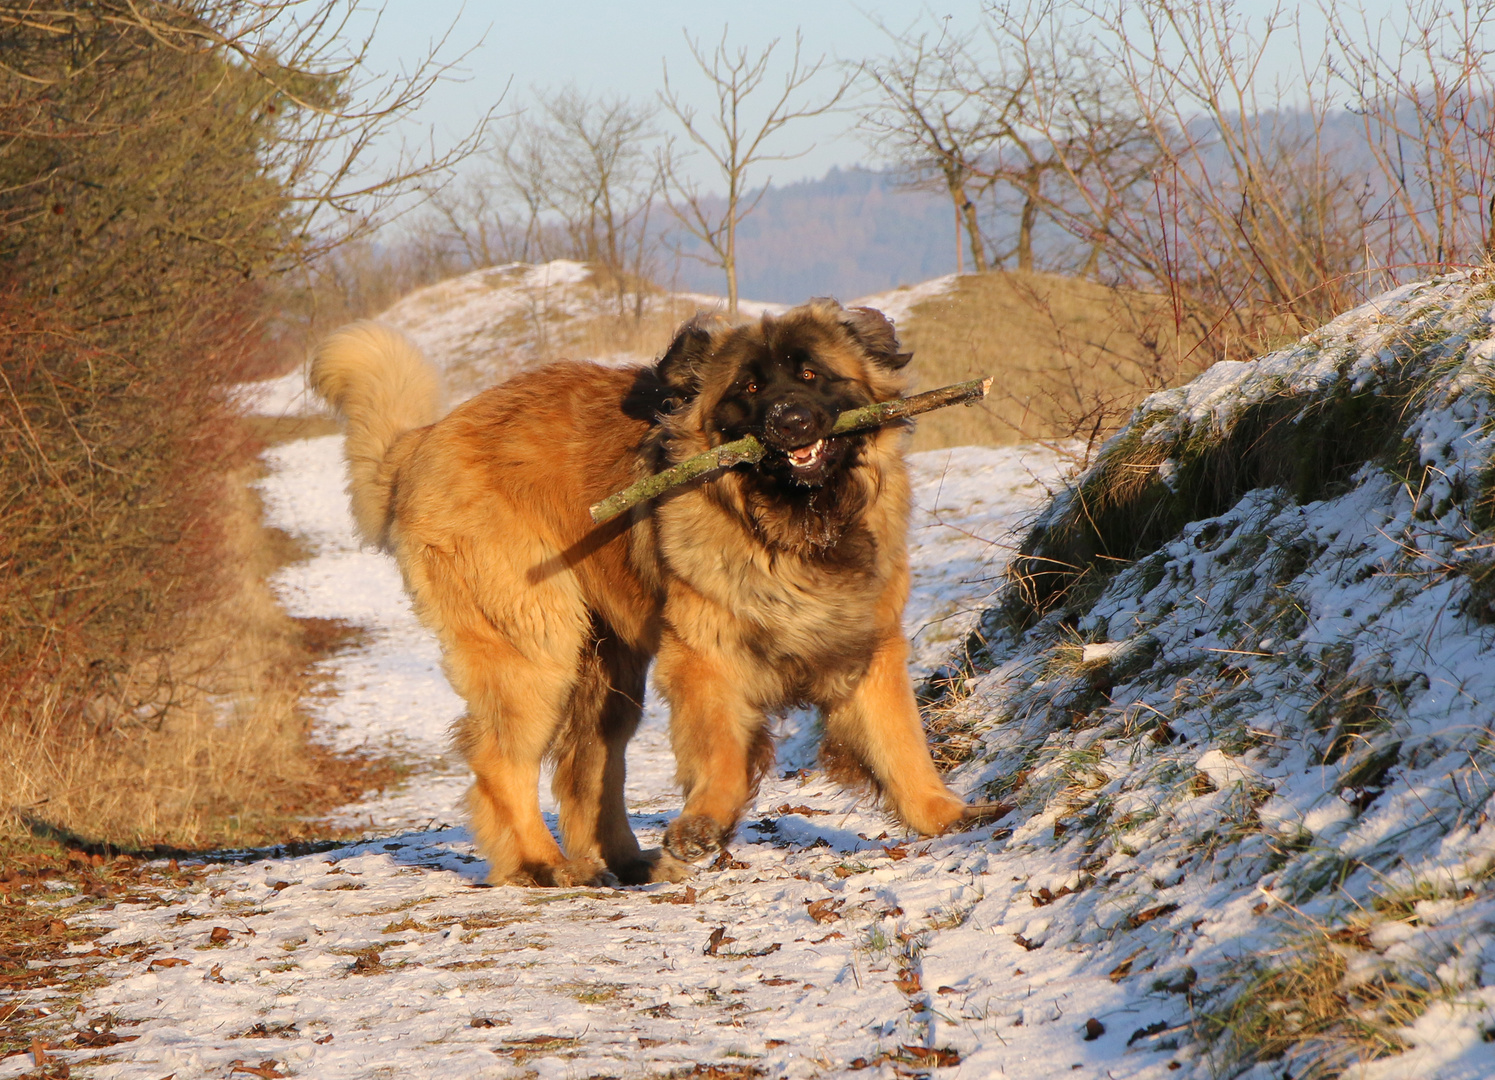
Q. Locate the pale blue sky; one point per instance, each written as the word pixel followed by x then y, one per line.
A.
pixel 618 47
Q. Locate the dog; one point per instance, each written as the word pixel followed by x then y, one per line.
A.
pixel 753 589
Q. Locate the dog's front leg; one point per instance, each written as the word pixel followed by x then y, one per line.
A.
pixel 720 740
pixel 877 726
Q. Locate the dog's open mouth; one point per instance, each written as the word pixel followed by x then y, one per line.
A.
pixel 807 457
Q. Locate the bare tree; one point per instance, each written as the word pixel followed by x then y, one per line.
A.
pixel 1424 91
pixel 933 124
pixel 1246 219
pixel 605 179
pixel 1030 114
pixel 572 176
pixel 733 143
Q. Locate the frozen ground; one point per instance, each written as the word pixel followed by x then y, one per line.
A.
pixel 391 956
pixel 1249 775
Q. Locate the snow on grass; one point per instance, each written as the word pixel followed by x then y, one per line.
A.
pixel 487 324
pixel 1276 774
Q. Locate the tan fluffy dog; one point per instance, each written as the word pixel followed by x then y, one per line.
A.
pixel 757 588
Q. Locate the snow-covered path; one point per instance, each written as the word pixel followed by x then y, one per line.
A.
pixel 826 942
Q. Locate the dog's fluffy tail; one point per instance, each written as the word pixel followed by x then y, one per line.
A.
pixel 381 387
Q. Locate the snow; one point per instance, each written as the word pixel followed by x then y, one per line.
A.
pixel 1269 737
pixel 898 304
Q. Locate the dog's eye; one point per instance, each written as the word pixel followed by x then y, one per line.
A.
pixel 752 388
pixel 807 375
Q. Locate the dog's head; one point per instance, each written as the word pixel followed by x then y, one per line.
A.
pixel 784 379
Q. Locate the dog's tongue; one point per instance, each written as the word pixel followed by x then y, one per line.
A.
pixel 806 455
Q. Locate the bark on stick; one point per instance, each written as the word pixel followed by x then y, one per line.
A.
pixel 748 449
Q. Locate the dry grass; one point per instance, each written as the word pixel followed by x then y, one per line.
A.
pixel 1071 357
pixel 224 760
pixel 1304 1006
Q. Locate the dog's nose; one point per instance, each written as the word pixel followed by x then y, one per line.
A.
pixel 793 423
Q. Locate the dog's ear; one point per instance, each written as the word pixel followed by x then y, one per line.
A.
pixel 874 332
pixel 679 369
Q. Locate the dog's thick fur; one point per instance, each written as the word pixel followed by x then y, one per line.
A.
pixel 756 588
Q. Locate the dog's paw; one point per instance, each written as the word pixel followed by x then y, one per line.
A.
pixel 692 836
pixel 934 813
pixel 651 867
pixel 574 872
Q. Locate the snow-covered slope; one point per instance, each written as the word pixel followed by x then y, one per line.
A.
pixel 1240 697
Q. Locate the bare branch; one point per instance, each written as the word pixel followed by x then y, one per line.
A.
pixel 734 144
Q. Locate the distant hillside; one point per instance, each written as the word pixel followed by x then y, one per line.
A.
pixel 1056 345
pixel 852 232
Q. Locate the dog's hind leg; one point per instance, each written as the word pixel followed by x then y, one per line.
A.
pixel 602 716
pixel 514 710
pixel 874 733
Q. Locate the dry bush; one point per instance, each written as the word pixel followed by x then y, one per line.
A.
pixel 1231 206
pixel 160 160
pixel 226 761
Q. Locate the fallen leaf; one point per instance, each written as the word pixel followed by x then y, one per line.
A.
pixel 828 937
pixel 778 982
pixel 724 861
pixel 167 962
pixel 39 1052
pixel 909 982
pixel 686 896
pixel 717 939
pixel 896 852
pixel 939 1057
pixel 1094 1029
pixel 266 1070
pixel 219 935
pixel 1123 969
pixel 1146 915
pixel 1025 943
pixel 1147 1032
pixel 281 886
pixel 763 951
pixel 1043 897
pixel 801 809
pixel 216 973
pixel 324 1040
pixel 824 911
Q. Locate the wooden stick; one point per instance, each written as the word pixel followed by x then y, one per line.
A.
pixel 748 449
